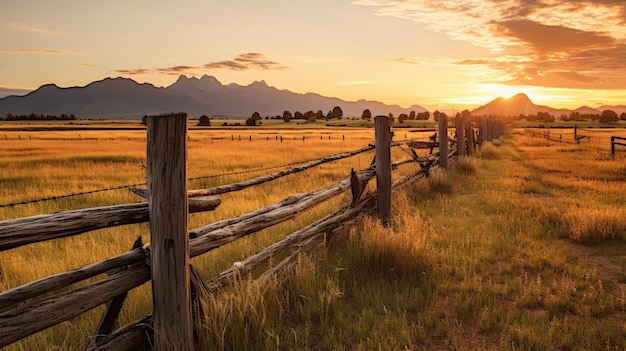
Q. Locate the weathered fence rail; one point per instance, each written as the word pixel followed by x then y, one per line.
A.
pixel 23 310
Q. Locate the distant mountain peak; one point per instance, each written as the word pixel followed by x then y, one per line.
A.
pixel 182 78
pixel 259 83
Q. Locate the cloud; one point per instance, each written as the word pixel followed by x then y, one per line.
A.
pixel 411 61
pixel 38 51
pixel 243 62
pixel 564 43
pixel 545 39
pixel 30 28
pixel 361 82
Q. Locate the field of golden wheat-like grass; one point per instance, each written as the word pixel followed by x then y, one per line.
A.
pixel 47 163
pixel 517 248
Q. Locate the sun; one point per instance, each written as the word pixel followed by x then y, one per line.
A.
pixel 501 90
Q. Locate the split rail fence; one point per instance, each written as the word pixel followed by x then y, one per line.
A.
pixel 43 303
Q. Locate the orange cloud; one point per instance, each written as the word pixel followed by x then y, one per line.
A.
pixel 545 39
pixel 242 62
pixel 557 43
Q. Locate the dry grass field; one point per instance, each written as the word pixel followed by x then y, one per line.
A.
pixel 47 162
pixel 519 248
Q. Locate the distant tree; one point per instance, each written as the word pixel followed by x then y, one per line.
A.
pixel 287 116
pixel 608 116
pixel 298 115
pixel 391 119
pixel 412 115
pixel 253 119
pixel 319 114
pixel 623 116
pixel 204 121
pixel 367 114
pixel 337 112
pixel 10 116
pixel 310 116
pixel 402 117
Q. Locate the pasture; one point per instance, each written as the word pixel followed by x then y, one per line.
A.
pixel 520 248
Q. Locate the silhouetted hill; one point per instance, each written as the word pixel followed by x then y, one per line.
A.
pixel 123 97
pixel 517 105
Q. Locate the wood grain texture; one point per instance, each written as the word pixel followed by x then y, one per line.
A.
pixel 169 236
pixel 24 231
pixel 382 124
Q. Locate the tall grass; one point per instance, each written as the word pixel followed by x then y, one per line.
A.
pixel 484 256
pixel 47 164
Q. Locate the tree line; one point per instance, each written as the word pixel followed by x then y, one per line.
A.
pixel 335 113
pixel 606 116
pixel 38 117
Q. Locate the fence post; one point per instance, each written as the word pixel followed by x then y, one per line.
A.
pixel 612 146
pixel 443 141
pixel 383 167
pixel 168 209
pixel 469 137
pixel 460 137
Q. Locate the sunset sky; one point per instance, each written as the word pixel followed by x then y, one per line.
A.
pixel 439 54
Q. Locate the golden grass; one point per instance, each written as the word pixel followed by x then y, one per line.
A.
pixel 38 164
pixel 485 256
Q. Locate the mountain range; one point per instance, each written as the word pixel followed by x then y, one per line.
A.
pixel 125 98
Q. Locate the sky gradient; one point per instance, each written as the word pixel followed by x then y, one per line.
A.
pixel 440 54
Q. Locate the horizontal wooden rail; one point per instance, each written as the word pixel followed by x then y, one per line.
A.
pixel 65 279
pixel 210 237
pixel 36 316
pixel 23 231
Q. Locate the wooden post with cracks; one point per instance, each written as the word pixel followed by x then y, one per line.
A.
pixel 383 167
pixel 168 208
pixel 460 138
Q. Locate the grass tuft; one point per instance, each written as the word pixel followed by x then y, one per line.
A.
pixel 465 166
pixel 490 151
pixel 594 225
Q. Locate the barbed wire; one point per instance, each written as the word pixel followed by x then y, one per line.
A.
pixel 58 197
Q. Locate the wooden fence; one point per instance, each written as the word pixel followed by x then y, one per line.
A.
pixel 616 140
pixel 572 136
pixel 38 305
